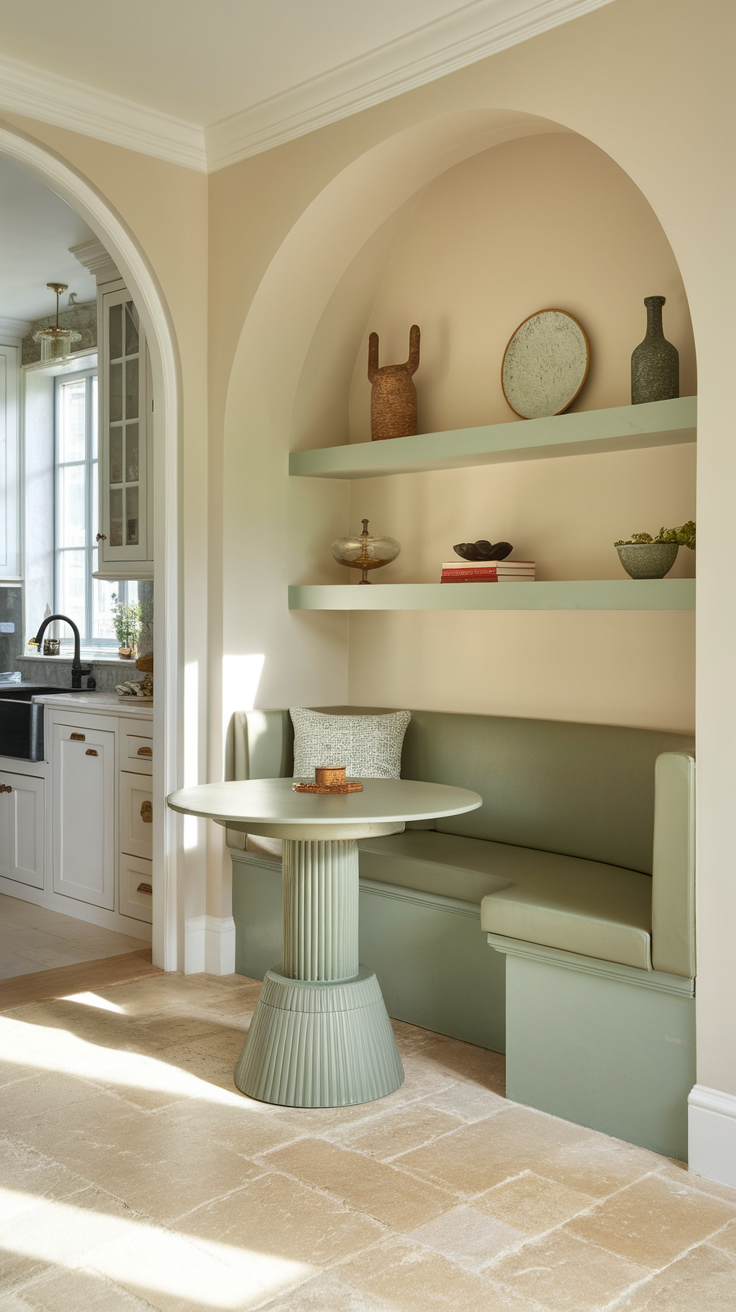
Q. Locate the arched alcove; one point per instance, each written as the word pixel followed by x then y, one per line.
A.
pixel 133 264
pixel 303 334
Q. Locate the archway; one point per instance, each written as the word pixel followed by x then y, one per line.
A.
pixel 117 238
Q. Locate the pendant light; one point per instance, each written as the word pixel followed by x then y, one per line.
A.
pixel 56 342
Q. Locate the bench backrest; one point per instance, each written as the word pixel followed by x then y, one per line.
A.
pixel 583 790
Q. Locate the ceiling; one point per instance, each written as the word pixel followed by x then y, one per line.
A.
pixel 36 230
pixel 162 54
pixel 206 86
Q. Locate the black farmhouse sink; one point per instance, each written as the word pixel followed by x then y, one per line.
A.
pixel 21 721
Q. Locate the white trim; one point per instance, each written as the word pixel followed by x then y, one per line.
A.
pixel 712 1134
pixel 209 945
pixel 26 90
pixel 93 256
pixel 16 328
pixel 469 34
pixel 194 940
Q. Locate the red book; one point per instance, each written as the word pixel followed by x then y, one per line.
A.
pixel 485 572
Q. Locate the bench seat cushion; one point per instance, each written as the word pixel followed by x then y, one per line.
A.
pixel 563 902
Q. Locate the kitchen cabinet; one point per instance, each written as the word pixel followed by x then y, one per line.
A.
pixel 83 810
pixel 22 801
pixel 125 537
pixel 76 829
pixel 136 822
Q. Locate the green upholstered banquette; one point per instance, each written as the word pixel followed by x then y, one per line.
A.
pixel 584 842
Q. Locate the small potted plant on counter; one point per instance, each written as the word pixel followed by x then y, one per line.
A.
pixel 126 619
pixel 645 557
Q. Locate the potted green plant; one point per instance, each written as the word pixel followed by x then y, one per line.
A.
pixel 645 557
pixel 126 619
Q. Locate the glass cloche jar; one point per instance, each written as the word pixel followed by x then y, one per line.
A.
pixel 365 552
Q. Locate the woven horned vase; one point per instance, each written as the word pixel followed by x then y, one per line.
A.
pixel 393 394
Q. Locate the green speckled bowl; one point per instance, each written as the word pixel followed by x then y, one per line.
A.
pixel 648 560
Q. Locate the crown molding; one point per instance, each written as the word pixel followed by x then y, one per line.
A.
pixel 69 104
pixel 469 34
pixel 472 33
pixel 93 256
pixel 14 327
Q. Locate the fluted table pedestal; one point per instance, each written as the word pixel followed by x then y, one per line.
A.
pixel 320 1035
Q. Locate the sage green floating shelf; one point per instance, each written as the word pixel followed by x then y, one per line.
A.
pixel 582 594
pixel 587 432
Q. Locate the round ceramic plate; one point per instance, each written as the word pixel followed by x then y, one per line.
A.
pixel 545 364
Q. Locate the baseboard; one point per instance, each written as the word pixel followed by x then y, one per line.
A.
pixel 712 1134
pixel 209 945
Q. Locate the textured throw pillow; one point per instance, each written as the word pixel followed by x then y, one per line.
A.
pixel 369 746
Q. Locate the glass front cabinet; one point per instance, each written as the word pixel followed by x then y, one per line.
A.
pixel 125 530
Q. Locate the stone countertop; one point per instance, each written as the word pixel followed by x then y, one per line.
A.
pixel 106 703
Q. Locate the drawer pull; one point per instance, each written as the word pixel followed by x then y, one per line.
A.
pixel 147 812
pixel 77 737
pixel 145 751
pixel 5 788
pixel 91 751
pixel 145 888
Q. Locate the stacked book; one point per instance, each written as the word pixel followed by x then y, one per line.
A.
pixel 487 571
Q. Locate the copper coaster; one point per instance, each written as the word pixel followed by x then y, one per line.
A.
pixel 327 788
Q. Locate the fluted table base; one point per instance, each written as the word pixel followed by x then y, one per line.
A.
pixel 320 1035
pixel 319 1044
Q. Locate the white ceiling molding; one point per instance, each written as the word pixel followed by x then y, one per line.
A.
pixel 93 256
pixel 14 327
pixel 68 104
pixel 460 38
pixel 463 37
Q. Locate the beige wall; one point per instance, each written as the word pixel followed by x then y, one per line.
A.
pixel 538 222
pixel 541 221
pixel 650 84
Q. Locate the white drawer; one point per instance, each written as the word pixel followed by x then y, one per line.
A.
pixel 136 750
pixel 136 815
pixel 136 887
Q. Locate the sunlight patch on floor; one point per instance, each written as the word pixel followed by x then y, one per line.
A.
pixel 144 1257
pixel 93 1000
pixel 53 1049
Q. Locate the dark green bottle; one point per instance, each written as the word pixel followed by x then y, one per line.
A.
pixel 655 363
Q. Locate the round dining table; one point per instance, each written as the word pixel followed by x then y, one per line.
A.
pixel 320 1035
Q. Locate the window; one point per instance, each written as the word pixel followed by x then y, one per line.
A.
pixel 86 600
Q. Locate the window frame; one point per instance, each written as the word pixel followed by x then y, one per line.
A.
pixel 90 546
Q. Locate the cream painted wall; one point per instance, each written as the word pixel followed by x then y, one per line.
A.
pixel 650 83
pixel 537 222
pixel 540 221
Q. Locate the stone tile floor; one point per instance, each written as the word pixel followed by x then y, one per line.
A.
pixel 33 938
pixel 134 1176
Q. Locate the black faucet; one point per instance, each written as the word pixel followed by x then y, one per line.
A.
pixel 77 668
